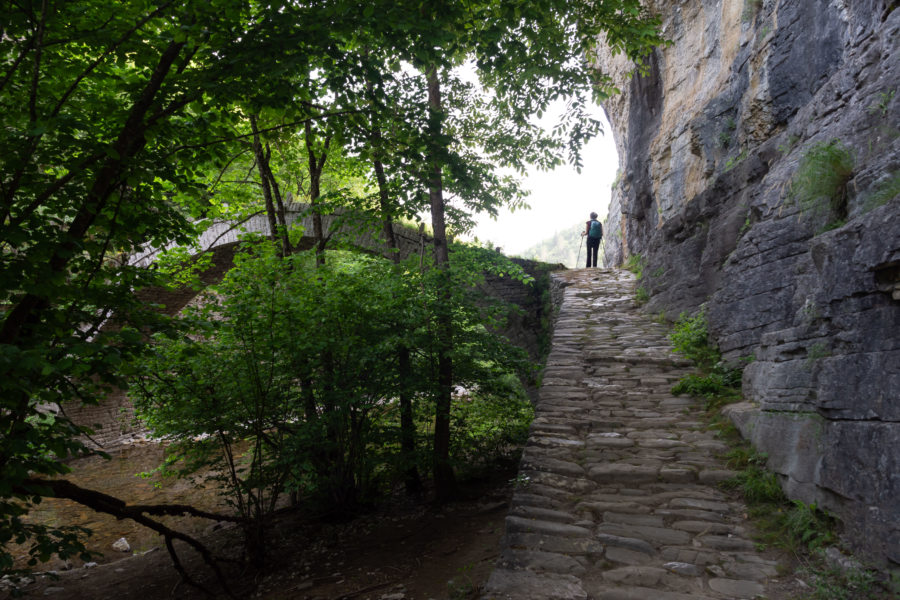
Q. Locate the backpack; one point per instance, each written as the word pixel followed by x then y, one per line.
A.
pixel 596 230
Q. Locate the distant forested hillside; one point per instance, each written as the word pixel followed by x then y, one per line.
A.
pixel 562 247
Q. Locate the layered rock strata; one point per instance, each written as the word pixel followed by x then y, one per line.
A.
pixel 714 142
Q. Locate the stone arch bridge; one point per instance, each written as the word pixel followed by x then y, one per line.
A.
pixel 223 237
pixel 352 228
pixel 113 420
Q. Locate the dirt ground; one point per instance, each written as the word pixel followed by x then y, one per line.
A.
pixel 404 551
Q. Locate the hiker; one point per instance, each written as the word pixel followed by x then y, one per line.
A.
pixel 593 231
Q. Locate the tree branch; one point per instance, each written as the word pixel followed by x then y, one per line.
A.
pixel 265 130
pixel 102 56
pixel 39 40
pixel 130 140
pixel 54 187
pixel 104 503
pixel 26 48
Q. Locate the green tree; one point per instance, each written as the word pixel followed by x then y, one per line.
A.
pixel 111 114
pixel 115 114
pixel 290 357
pixel 93 99
pixel 526 54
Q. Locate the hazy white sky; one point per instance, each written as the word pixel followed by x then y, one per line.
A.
pixel 559 199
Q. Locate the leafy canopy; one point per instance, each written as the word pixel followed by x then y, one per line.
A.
pixel 117 119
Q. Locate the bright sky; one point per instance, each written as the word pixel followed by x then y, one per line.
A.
pixel 559 199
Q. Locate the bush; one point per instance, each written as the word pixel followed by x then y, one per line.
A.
pixel 641 295
pixel 750 9
pixel 810 526
pixel 291 377
pixel 492 423
pixel 716 387
pixel 820 184
pixel 277 380
pixel 758 485
pixel 689 338
pixel 717 382
pixel 884 192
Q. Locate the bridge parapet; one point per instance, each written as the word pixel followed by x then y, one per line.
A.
pixel 363 233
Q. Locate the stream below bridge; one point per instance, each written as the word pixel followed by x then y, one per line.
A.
pixel 120 477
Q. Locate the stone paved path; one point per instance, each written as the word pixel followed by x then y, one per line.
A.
pixel 621 501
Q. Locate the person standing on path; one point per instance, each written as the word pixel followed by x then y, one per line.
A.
pixel 593 231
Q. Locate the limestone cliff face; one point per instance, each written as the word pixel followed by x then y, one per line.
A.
pixel 709 143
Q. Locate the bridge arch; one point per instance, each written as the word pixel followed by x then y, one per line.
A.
pixel 354 228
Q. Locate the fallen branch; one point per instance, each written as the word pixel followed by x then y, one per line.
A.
pixel 104 503
pixel 370 588
pixel 180 510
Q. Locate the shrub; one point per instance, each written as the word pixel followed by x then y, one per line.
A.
pixel 641 295
pixel 884 101
pixel 278 382
pixel 720 386
pixel 809 526
pixel 820 183
pixel 736 160
pixel 838 583
pixel 724 139
pixel 750 9
pixel 689 338
pixel 292 377
pixel 717 382
pixel 757 484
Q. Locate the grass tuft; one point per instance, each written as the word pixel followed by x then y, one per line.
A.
pixel 641 295
pixel 884 192
pixel 635 264
pixel 820 183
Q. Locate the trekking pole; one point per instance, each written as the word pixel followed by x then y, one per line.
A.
pixel 578 260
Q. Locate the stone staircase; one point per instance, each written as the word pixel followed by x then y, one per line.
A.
pixel 618 495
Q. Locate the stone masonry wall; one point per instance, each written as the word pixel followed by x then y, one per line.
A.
pixel 530 327
pixel 709 142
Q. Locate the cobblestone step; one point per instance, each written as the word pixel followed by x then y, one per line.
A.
pixel 620 496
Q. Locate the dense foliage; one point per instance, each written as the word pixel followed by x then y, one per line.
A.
pixel 283 378
pixel 125 125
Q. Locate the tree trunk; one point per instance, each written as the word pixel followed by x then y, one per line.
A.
pixel 279 206
pixel 411 478
pixel 316 166
pixel 387 221
pixel 262 166
pixel 444 479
